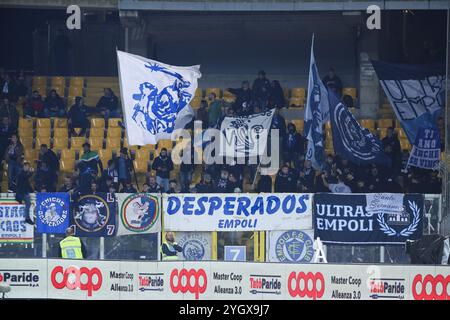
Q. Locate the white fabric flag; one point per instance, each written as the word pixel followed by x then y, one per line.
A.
pixel 245 136
pixel 155 97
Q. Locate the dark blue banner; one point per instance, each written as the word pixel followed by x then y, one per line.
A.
pixel 426 151
pixel 95 215
pixel 52 212
pixel 350 140
pixel 379 218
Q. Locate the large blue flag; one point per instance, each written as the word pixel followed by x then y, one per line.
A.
pixel 52 212
pixel 350 140
pixel 316 114
pixel 416 93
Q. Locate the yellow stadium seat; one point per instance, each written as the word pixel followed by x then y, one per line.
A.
pixel 368 124
pixel 75 91
pixel 67 154
pixel 43 132
pixel 96 132
pixel 286 92
pixel 142 155
pixel 97 123
pixel 216 91
pixel 60 123
pixel 299 124
pixel 96 143
pixel 26 132
pixel 228 95
pixel 405 145
pixel 42 140
pixel 114 133
pixel 328 125
pixel 401 134
pixel 298 93
pixel 39 81
pixel 149 147
pixel 382 132
pixel 384 123
pixel 105 155
pixel 31 155
pixel 113 122
pixel 58 82
pixel 349 91
pixel 70 101
pixel 94 92
pixel 91 101
pixel 113 143
pixel 168 144
pixel 26 123
pixel 77 142
pixel 60 142
pixel 140 166
pixel 198 92
pixel 397 124
pixel 59 90
pixel 296 102
pixel 196 102
pixel 27 142
pixel 43 123
pixel 67 165
pixel 60 133
pixel 76 81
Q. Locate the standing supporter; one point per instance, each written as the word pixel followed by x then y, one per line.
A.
pixel 242 105
pixel 34 106
pixel 45 178
pixel 24 189
pixel 186 171
pixel 293 146
pixel 264 184
pixel 391 147
pixel 13 157
pixel 276 97
pixel 214 111
pixel 163 165
pixel 124 166
pixel 49 157
pixel 54 105
pixel 89 166
pixel 108 105
pixel 261 90
pixel 333 82
pixel 202 114
pixel 77 117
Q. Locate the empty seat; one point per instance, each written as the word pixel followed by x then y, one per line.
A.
pixel 142 155
pixel 199 92
pixel 39 81
pixel 113 143
pixel 349 91
pixel 61 142
pixel 59 90
pixel 401 133
pixel 31 155
pixel 26 123
pixel 140 166
pixel 105 155
pixel 382 132
pixel 60 133
pixel 168 144
pixel 114 132
pixel 77 142
pixel 149 147
pixel 113 122
pixel 216 91
pixel 368 123
pixel 94 92
pixel 75 91
pixel 43 133
pixel 67 165
pixel 43 123
pixel 58 82
pixel 97 123
pixel 67 154
pixel 96 143
pixel 76 81
pixel 27 142
pixel 296 102
pixel 299 124
pixel 60 123
pixel 26 132
pixel 405 145
pixel 96 133
pixel 385 123
pixel 42 140
pixel 298 93
pixel 196 102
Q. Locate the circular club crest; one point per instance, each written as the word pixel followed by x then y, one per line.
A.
pixel 92 214
pixel 294 246
pixel 193 245
pixel 139 212
pixel 52 212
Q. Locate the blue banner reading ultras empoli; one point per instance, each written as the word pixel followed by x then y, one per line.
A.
pixel 232 212
pixel 52 212
pixel 379 218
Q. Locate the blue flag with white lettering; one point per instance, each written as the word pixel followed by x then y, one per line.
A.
pixel 52 212
pixel 426 150
pixel 416 93
pixel 351 140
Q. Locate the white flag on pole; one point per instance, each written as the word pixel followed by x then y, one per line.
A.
pixel 155 97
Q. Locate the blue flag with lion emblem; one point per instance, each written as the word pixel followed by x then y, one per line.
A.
pixel 351 140
pixel 155 97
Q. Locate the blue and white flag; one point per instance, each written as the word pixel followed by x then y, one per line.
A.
pixel 52 212
pixel 350 140
pixel 316 114
pixel 155 97
pixel 416 93
pixel 426 150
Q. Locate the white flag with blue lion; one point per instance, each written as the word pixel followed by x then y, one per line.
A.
pixel 155 97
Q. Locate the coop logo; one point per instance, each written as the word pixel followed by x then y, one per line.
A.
pixel 267 284
pixel 431 287
pixel 151 282
pixel 20 278
pixel 192 281
pixel 387 289
pixel 311 285
pixel 72 278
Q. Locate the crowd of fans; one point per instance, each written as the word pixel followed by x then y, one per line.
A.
pixel 295 175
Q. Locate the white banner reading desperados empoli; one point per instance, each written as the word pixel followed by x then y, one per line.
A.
pixel 138 213
pixel 155 97
pixel 237 212
pixel 12 223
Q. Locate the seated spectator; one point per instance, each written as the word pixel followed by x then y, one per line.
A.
pixel 261 90
pixel 106 184
pixel 338 187
pixel 205 185
pixel 45 178
pixel 67 186
pixel 172 186
pixel 34 106
pixel 264 184
pixel 214 110
pixel 276 97
pixel 242 105
pixel 202 114
pixel 152 186
pixel 108 105
pixel 333 82
pixel 13 157
pixel 222 184
pixel 234 182
pixel 77 118
pixel 306 178
pixel 54 105
pixel 163 165
pixel 293 146
pixel 128 187
pixel 285 181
